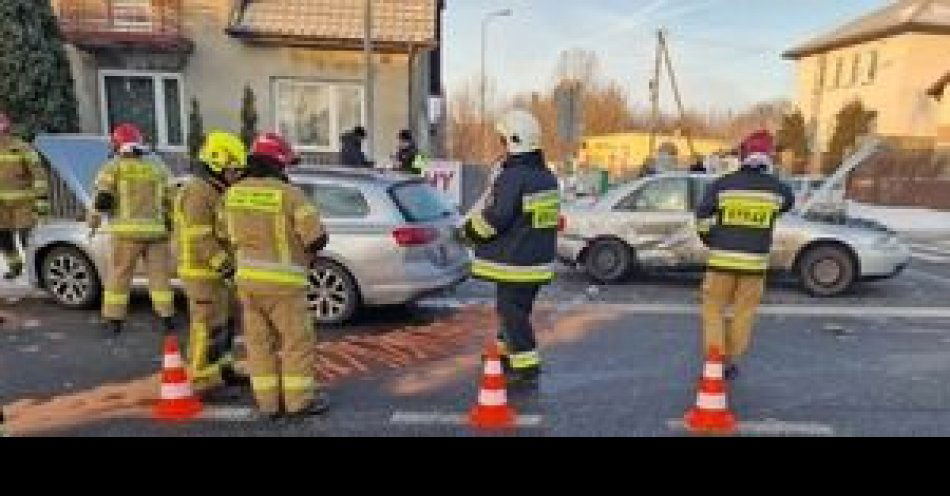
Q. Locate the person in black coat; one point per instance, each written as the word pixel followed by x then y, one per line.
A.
pixel 351 153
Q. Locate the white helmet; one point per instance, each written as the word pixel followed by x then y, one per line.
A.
pixel 521 130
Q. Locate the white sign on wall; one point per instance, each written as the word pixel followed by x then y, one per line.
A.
pixel 446 177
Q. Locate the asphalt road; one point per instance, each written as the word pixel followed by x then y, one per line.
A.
pixel 621 361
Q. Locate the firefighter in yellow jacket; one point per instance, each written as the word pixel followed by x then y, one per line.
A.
pixel 275 232
pixel 201 256
pixel 23 195
pixel 136 194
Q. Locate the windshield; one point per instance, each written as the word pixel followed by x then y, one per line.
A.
pixel 420 202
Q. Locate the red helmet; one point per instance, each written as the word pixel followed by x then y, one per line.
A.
pixel 126 137
pixel 274 146
pixel 759 142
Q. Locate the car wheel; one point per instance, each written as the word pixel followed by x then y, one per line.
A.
pixel 609 261
pixel 71 278
pixel 827 271
pixel 333 297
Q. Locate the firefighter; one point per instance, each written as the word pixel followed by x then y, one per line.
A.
pixel 222 161
pixel 137 196
pixel 24 188
pixel 275 232
pixel 514 233
pixel 736 220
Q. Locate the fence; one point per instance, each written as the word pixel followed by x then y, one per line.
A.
pixel 905 178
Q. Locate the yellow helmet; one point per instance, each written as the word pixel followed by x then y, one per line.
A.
pixel 223 151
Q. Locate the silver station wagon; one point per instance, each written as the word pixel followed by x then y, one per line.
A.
pixel 391 243
pixel 649 224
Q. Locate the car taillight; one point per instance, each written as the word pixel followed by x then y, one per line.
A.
pixel 414 236
pixel 561 224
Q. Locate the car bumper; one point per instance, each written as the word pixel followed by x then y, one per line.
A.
pixel 416 288
pixel 879 263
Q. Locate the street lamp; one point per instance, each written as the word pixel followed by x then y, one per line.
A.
pixel 488 18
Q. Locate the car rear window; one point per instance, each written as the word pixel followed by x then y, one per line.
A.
pixel 338 202
pixel 420 202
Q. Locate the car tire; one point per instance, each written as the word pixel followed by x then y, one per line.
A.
pixel 70 277
pixel 826 271
pixel 333 296
pixel 609 261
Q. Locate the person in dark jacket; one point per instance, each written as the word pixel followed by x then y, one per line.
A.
pixel 736 220
pixel 351 153
pixel 514 234
pixel 407 153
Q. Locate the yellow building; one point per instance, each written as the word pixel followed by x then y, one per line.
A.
pixel 888 60
pixel 626 152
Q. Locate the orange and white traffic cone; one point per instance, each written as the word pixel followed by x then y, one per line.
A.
pixel 711 414
pixel 492 410
pixel 177 402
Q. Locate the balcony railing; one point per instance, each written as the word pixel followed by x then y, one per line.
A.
pixel 109 22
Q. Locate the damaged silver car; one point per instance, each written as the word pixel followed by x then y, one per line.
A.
pixel 649 225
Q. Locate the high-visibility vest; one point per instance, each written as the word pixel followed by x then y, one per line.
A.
pixel 22 178
pixel 420 163
pixel 143 196
pixel 200 254
pixel 270 224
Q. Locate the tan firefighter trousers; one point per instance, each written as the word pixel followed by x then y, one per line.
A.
pixel 280 342
pixel 742 292
pixel 209 310
pixel 125 255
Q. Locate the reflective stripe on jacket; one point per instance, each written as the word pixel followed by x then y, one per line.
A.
pixel 737 217
pixel 269 225
pixel 23 179
pixel 200 254
pixel 515 228
pixel 143 198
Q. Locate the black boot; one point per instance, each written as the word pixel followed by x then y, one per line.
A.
pixel 317 408
pixel 527 379
pixel 232 378
pixel 168 325
pixel 112 329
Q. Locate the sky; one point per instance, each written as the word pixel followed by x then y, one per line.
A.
pixel 727 53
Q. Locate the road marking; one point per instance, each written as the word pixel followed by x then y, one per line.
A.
pixel 771 428
pixel 784 310
pixel 229 414
pixel 409 418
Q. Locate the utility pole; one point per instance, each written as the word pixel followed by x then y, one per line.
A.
pixel 676 93
pixel 655 96
pixel 370 88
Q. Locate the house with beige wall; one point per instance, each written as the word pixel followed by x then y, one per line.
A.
pixel 145 60
pixel 889 60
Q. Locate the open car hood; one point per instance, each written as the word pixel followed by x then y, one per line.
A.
pixel 868 149
pixel 76 159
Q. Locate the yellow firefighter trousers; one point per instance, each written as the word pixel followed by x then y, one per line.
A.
pixel 280 342
pixel 744 293
pixel 125 256
pixel 209 309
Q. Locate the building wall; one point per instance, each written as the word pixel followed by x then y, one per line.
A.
pixel 907 65
pixel 627 152
pixel 220 67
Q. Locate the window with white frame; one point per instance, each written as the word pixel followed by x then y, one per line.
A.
pixel 151 101
pixel 314 114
